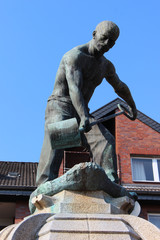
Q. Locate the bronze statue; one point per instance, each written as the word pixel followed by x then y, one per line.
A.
pixel 81 70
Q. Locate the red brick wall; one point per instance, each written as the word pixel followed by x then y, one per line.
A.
pixel 133 138
pixel 22 210
pixel 61 169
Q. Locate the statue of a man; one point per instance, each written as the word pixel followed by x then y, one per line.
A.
pixel 81 70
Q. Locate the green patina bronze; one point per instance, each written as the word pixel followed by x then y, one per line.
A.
pixel 80 71
pixel 82 177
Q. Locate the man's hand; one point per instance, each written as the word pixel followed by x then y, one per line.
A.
pixel 133 112
pixel 85 124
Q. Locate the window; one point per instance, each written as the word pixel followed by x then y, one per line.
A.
pixel 154 219
pixel 145 169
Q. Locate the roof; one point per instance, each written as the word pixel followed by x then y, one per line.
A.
pixel 148 192
pixel 143 188
pixel 112 106
pixel 18 175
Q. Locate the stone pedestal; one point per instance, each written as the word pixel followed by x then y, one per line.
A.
pixel 86 226
pixel 82 216
pixel 96 202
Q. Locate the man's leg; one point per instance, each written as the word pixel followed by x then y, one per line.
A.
pixel 50 161
pixel 102 147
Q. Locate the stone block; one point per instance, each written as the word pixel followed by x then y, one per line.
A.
pixel 86 226
pixel 82 202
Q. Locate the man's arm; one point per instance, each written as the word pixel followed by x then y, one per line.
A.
pixel 75 82
pixel 120 88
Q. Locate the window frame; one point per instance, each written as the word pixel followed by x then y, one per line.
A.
pixel 156 175
pixel 153 214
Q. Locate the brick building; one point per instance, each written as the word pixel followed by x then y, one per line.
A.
pixel 17 181
pixel 138 165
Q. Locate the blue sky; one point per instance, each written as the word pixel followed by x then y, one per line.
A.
pixel 35 35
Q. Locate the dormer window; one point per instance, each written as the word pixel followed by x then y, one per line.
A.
pixel 13 174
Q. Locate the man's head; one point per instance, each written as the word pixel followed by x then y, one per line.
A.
pixel 105 35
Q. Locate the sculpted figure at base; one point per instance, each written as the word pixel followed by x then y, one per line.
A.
pixel 82 177
pixel 80 71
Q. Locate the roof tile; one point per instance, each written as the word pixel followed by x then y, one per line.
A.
pixel 27 174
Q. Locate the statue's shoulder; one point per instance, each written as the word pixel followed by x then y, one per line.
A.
pixel 104 60
pixel 73 55
pixel 107 62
